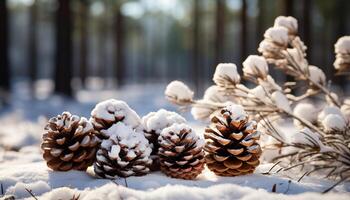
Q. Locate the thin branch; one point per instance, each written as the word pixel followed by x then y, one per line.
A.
pixel 31 193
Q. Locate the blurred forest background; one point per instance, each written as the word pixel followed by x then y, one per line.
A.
pixel 80 44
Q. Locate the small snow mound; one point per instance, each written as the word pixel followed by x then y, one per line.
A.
pixel 281 101
pixel 328 110
pixel 342 46
pixel 111 109
pixel 306 111
pixel 177 90
pixel 226 74
pixel 288 22
pixel 235 111
pixel 255 66
pixel 317 75
pixel 161 119
pixel 278 35
pixel 334 122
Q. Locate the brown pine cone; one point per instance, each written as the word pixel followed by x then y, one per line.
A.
pixel 153 124
pixel 124 153
pixel 181 152
pixel 231 146
pixel 109 112
pixel 69 143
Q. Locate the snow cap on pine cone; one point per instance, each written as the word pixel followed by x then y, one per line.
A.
pixel 334 122
pixel 112 111
pixel 181 152
pixel 178 92
pixel 226 75
pixel 288 22
pixel 124 153
pixel 306 111
pixel 157 121
pixel 255 67
pixel 317 75
pixel 153 124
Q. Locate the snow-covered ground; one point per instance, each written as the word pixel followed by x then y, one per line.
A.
pixel 22 167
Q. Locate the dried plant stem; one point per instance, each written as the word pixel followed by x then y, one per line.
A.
pixel 325 90
pixel 305 122
pixel 295 64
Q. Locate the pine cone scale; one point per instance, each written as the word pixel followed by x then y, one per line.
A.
pixel 62 143
pixel 231 146
pixel 181 153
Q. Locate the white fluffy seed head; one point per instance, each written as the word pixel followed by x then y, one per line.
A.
pixel 177 91
pixel 281 100
pixel 334 122
pixel 288 22
pixel 317 75
pixel 226 75
pixel 328 110
pixel 342 46
pixel 255 66
pixel 306 111
pixel 277 35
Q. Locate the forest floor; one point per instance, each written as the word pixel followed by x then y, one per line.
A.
pixel 23 172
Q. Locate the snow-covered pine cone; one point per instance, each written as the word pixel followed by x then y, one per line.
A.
pixel 69 143
pixel 231 145
pixel 109 112
pixel 124 153
pixel 181 152
pixel 153 124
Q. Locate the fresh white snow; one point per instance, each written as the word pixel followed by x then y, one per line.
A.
pixel 22 128
pixel 178 90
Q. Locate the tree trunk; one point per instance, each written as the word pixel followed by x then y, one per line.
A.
pixel 244 31
pixel 63 59
pixel 120 59
pixel 4 52
pixel 83 43
pixel 32 53
pixel 220 30
pixel 261 21
pixel 195 45
pixel 288 8
pixel 307 13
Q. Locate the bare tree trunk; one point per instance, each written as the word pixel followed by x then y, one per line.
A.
pixel 244 31
pixel 195 45
pixel 220 30
pixel 32 53
pixel 307 13
pixel 63 59
pixel 260 21
pixel 83 43
pixel 101 48
pixel 4 52
pixel 288 7
pixel 120 59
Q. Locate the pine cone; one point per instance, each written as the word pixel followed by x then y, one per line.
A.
pixel 109 112
pixel 232 143
pixel 124 153
pixel 181 152
pixel 69 143
pixel 153 124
